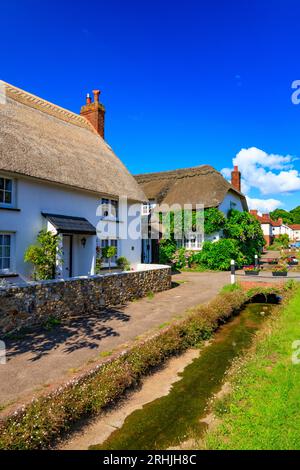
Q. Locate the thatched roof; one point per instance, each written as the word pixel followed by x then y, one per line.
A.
pixel 198 185
pixel 42 140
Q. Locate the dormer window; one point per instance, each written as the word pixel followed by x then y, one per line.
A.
pixel 109 208
pixel 6 192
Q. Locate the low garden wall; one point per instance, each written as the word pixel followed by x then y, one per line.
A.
pixel 34 304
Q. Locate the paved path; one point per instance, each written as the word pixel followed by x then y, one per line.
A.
pixel 42 358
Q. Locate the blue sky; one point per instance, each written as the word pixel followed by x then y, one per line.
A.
pixel 184 83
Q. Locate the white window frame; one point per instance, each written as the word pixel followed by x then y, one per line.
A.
pixel 13 192
pixel 111 203
pixel 146 208
pixel 11 254
pixel 190 245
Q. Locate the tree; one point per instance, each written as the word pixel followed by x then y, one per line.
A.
pixel 44 255
pixel 244 228
pixel 281 242
pixel 296 215
pixel 109 252
pixel 286 216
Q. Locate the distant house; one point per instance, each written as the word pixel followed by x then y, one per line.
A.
pixel 274 228
pixel 198 185
pixel 56 171
pixel 296 232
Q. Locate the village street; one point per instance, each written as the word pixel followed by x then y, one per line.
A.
pixel 43 358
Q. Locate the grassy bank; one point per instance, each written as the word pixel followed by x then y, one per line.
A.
pixel 262 411
pixel 47 417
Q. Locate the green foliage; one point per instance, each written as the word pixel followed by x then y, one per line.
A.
pixel 244 228
pixel 281 242
pixel 241 229
pixel 261 409
pixel 109 252
pixel 218 255
pixel 98 265
pixel 167 249
pixel 123 263
pixel 296 215
pixel 214 220
pixel 230 288
pixel 286 216
pixel 44 255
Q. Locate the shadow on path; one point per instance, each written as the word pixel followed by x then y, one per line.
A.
pixel 76 333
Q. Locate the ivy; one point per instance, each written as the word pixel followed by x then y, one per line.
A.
pixel 214 220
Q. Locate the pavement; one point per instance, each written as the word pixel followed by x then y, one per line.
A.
pixel 41 359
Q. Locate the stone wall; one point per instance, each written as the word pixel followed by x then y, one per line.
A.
pixel 34 304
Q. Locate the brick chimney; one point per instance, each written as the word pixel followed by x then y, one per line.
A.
pixel 254 212
pixel 94 112
pixel 236 178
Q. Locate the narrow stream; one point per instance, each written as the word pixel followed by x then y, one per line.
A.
pixel 174 418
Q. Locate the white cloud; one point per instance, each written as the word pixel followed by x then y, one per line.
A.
pixel 264 206
pixel 269 173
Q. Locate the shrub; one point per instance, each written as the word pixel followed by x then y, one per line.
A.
pixel 123 263
pixel 167 249
pixel 44 255
pixel 218 255
pixel 281 242
pixel 244 228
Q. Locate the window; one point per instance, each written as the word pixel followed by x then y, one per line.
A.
pixel 145 209
pixel 193 241
pixel 108 242
pixel 109 208
pixel 5 252
pixel 6 191
pixel 232 205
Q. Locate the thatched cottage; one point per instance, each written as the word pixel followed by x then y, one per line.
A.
pixel 57 171
pixel 198 185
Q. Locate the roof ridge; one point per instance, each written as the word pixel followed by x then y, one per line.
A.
pixel 180 171
pixel 45 106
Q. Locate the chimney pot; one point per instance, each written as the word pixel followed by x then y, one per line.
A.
pixel 96 95
pixel 94 112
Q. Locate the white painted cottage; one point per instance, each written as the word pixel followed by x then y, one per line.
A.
pixel 57 171
pixel 202 185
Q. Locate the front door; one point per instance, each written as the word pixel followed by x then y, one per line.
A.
pixel 67 256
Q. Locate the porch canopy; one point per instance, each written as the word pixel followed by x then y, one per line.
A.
pixel 70 224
